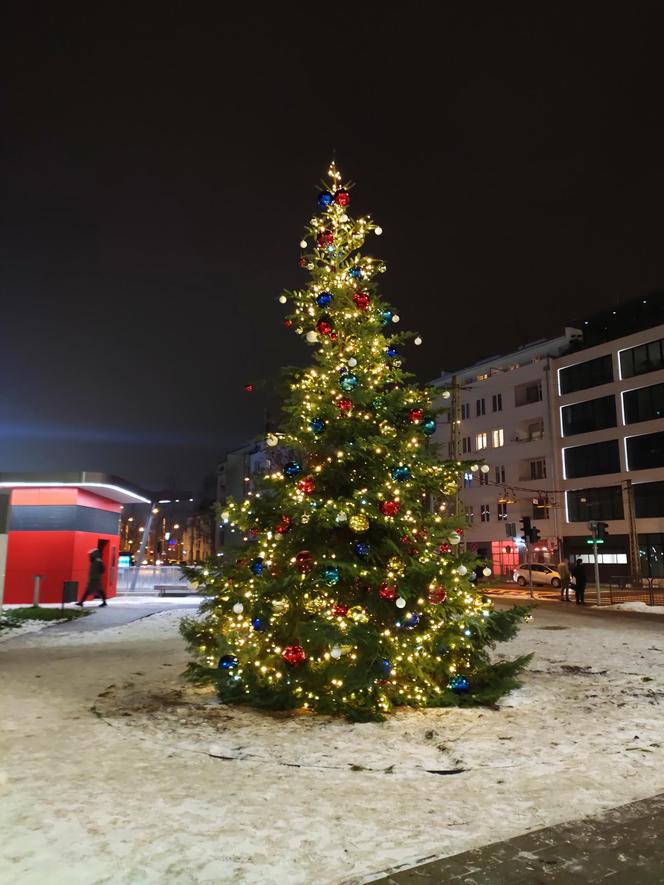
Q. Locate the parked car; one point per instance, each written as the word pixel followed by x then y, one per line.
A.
pixel 542 574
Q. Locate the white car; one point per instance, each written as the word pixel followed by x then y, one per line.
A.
pixel 542 574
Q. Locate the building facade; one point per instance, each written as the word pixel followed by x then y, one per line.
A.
pixel 608 420
pixel 500 411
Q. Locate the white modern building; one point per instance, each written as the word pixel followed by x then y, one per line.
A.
pixel 500 411
pixel 608 419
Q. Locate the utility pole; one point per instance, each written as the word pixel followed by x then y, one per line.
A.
pixel 634 552
pixel 594 529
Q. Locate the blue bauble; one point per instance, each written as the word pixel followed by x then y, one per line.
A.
pixel 458 684
pixel 411 620
pixel 391 350
pixel 429 426
pixel 331 575
pixel 401 473
pixel 325 199
pixel 324 299
pixel 386 317
pixel 257 624
pixel 361 549
pixel 348 382
pixel 227 662
pixel 385 667
pixel 317 425
pixel 355 273
pixel 292 469
pixel 257 567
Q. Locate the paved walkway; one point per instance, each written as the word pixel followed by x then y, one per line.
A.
pixel 623 846
pixel 116 614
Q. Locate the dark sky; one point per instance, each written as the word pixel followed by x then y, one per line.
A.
pixel 158 168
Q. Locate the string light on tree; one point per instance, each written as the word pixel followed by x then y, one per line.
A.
pixel 353 597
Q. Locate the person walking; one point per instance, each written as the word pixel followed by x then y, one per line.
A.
pixel 94 586
pixel 580 579
pixel 565 579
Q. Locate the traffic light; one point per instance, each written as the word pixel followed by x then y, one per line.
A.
pixel 602 530
pixel 525 529
pixel 534 535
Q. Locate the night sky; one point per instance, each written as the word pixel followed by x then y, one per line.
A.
pixel 158 169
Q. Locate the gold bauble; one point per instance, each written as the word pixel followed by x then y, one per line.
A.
pixel 358 614
pixel 280 605
pixel 396 565
pixel 358 522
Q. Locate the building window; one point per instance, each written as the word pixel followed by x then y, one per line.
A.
pixel 595 414
pixel 484 479
pixel 645 452
pixel 468 480
pixel 502 510
pixel 480 407
pixel 498 438
pixel 603 503
pixel 649 499
pixel 592 460
pixel 585 375
pixel 644 358
pixel 645 404
pixel 538 469
pixel 485 513
pixel 465 411
pixel 481 441
pixel 500 475
pixel 470 514
pixel 497 402
pixel 536 431
pixel 528 393
pixel 466 446
pixel 541 508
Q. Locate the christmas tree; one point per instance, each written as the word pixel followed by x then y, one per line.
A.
pixel 351 596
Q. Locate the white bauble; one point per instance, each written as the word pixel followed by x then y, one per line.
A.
pixel 238 608
pixel 312 337
pixel 401 602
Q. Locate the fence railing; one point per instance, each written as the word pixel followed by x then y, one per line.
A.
pixel 150 576
pixel 651 591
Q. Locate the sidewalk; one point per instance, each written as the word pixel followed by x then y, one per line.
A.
pixel 119 612
pixel 624 845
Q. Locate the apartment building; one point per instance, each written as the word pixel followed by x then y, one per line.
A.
pixel 504 412
pixel 608 420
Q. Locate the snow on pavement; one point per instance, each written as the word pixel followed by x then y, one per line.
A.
pixel 163 785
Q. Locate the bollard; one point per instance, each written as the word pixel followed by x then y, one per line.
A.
pixel 35 592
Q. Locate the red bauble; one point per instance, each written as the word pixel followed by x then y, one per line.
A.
pixel 344 404
pixel 302 262
pixel 325 238
pixel 385 591
pixel 253 533
pixel 249 388
pixel 284 525
pixel 306 485
pixel 293 655
pixel 240 562
pixel 444 548
pixel 416 415
pixel 324 327
pixel 340 611
pixel 437 595
pixel 342 198
pixel 361 300
pixel 304 561
pixel 409 544
pixel 288 323
pixel 389 508
pixel 333 336
pixel 459 532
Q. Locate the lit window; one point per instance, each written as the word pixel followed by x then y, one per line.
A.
pixel 498 438
pixel 481 441
pixel 485 513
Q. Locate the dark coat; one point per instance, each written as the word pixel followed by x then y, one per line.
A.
pixel 580 578
pixel 95 573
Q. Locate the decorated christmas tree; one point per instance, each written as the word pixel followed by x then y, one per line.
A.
pixel 351 596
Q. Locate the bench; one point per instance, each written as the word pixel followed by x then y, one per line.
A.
pixel 174 590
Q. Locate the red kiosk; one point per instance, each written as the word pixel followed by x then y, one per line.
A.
pixel 51 524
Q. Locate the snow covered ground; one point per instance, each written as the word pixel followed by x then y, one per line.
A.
pixel 116 772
